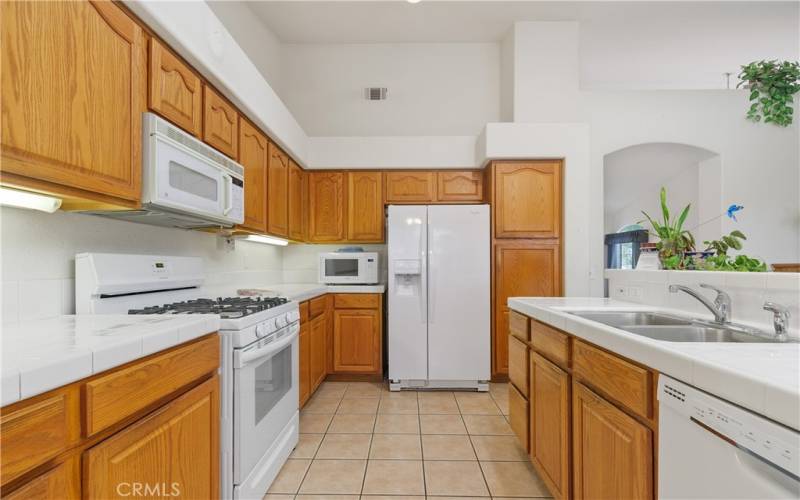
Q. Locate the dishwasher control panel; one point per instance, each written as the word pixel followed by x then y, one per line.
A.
pixel 742 428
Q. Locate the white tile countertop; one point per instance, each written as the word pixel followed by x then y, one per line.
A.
pixel 41 355
pixel 763 377
pixel 305 291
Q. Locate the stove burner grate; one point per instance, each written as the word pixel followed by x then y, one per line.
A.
pixel 228 308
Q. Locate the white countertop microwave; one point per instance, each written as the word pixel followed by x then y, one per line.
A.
pixel 348 268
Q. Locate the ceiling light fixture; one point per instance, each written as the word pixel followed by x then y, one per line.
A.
pixel 25 199
pixel 269 240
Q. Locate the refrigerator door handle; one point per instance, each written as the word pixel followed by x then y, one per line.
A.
pixel 431 278
pixel 423 281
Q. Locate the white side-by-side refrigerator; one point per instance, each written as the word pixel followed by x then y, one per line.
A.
pixel 439 285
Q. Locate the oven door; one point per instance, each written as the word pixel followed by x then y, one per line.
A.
pixel 265 379
pixel 188 182
pixel 341 269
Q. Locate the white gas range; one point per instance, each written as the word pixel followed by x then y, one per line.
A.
pixel 259 353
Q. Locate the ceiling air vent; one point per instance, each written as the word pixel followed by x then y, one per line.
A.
pixel 375 93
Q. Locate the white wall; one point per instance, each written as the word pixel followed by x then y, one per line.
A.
pixel 37 257
pixel 447 89
pixel 392 152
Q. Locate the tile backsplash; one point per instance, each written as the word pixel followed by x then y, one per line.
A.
pixel 748 292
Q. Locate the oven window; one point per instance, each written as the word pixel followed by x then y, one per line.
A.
pixel 192 182
pixel 341 267
pixel 273 379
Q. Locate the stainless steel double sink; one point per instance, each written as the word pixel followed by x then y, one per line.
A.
pixel 669 328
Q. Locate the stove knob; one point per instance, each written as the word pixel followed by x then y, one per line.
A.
pixel 293 316
pixel 261 330
pixel 280 321
pixel 269 326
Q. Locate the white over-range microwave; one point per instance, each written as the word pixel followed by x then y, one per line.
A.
pixel 348 268
pixel 185 183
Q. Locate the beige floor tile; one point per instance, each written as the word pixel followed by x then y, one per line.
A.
pixel 352 424
pixel 357 390
pixel 331 390
pixel 454 478
pixel 519 498
pixel 476 404
pixel 290 476
pixel 314 423
pixel 398 406
pixel 307 446
pixel 387 394
pixel 494 425
pixel 438 406
pixel 344 446
pixel 394 477
pixel 437 395
pixel 392 497
pixel 277 496
pixel 358 406
pixel 334 477
pixel 437 447
pixel 327 497
pixel 513 479
pixel 499 448
pixel 397 424
pixel 502 403
pixel 321 405
pixel 442 424
pixel 395 447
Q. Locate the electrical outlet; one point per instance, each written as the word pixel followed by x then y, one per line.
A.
pixel 635 292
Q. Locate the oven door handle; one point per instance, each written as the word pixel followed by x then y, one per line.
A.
pixel 242 358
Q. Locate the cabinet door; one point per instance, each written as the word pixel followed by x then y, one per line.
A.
pixel 297 202
pixel 613 453
pixel 550 424
pixel 63 482
pixel 521 269
pixel 254 157
pixel 176 92
pixel 278 190
pixel 365 207
pixel 527 199
pixel 410 187
pixel 74 89
pixel 326 221
pixel 356 340
pixel 305 361
pixel 220 126
pixel 175 448
pixel 318 351
pixel 459 186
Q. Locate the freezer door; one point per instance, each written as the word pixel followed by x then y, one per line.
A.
pixel 458 292
pixel 407 288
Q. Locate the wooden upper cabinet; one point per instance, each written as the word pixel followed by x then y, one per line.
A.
pixel 254 157
pixel 220 123
pixel 459 186
pixel 175 91
pixel 297 202
pixel 74 89
pixel 357 340
pixel 179 443
pixel 365 207
pixel 612 452
pixel 410 187
pixel 326 217
pixel 550 424
pixel 277 192
pixel 527 199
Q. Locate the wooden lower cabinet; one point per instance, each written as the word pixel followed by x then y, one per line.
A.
pixel 357 341
pixel 59 483
pixel 318 346
pixel 304 341
pixel 519 409
pixel 613 452
pixel 174 451
pixel 550 424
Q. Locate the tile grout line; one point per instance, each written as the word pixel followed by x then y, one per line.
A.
pixel 480 467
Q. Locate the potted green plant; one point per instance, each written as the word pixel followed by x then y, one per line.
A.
pixel 772 87
pixel 721 261
pixel 674 240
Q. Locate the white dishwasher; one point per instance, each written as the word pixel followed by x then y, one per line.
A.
pixel 709 448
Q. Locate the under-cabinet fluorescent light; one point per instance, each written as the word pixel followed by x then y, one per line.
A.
pixel 412 1
pixel 25 199
pixel 269 240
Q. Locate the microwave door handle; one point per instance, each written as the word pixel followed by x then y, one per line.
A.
pixel 244 358
pixel 228 180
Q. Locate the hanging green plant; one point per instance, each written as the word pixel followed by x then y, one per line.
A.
pixel 772 86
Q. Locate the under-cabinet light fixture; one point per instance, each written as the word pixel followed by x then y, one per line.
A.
pixel 269 240
pixel 26 199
